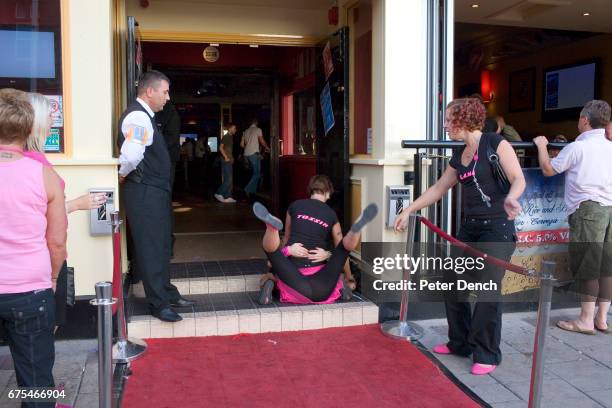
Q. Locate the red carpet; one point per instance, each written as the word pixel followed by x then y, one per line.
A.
pixel 340 367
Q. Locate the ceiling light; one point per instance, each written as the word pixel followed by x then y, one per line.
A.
pixel 586 14
pixel 475 5
pixel 254 46
pixel 214 44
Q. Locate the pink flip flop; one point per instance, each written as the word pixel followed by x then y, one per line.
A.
pixel 442 349
pixel 481 369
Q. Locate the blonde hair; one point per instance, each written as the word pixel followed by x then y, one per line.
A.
pixel 40 128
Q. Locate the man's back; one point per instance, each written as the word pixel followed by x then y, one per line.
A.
pixel 251 140
pixel 588 169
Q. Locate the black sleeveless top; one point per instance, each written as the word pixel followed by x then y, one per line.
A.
pixel 154 169
pixel 472 202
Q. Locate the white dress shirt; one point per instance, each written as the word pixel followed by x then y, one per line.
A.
pixel 587 163
pixel 137 129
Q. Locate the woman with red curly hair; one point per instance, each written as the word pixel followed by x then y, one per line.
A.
pixel 487 224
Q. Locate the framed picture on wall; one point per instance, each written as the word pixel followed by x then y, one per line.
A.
pixel 522 90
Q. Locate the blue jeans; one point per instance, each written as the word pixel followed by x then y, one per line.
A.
pixel 255 160
pixel 225 189
pixel 28 320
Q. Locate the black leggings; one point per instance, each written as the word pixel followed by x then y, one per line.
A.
pixel 316 287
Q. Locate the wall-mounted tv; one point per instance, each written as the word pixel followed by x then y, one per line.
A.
pixel 567 88
pixel 27 54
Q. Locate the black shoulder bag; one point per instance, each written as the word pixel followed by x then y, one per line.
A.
pixel 498 172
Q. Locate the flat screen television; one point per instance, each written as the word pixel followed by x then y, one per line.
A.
pixel 567 88
pixel 27 54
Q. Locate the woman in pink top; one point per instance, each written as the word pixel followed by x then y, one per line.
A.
pixel 35 150
pixel 32 244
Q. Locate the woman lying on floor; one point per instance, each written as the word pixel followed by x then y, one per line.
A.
pixel 305 272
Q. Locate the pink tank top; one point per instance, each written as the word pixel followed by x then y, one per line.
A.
pixel 25 264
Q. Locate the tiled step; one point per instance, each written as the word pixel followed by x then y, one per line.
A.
pixel 234 313
pixel 203 278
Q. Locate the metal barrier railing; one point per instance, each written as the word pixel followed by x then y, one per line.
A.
pixel 420 156
pixel 126 348
pixel 403 329
pixel 109 300
pixel 104 301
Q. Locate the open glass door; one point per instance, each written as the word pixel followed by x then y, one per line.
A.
pixel 134 58
pixel 332 94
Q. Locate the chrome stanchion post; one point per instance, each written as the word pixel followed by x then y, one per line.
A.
pixel 104 301
pixel 125 349
pixel 402 328
pixel 537 365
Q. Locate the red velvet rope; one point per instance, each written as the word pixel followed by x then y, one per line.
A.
pixel 116 267
pixel 467 248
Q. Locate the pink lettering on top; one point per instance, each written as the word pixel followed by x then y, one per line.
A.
pixel 313 219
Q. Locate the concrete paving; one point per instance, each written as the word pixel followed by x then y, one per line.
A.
pixel 75 369
pixel 578 367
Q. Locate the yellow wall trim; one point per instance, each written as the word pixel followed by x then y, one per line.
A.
pixel 227 38
pixel 66 80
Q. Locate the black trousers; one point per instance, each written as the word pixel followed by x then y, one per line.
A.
pixel 315 287
pixel 478 332
pixel 148 213
pixel 28 321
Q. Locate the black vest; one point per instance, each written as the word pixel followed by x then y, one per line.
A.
pixel 154 169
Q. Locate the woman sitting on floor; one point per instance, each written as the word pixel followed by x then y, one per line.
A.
pixel 305 272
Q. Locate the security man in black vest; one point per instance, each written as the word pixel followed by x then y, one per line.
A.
pixel 145 177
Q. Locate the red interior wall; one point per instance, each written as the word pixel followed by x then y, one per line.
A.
pixel 230 55
pixel 363 91
pixel 48 12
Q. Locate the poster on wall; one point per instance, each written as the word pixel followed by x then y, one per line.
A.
pixel 328 62
pixel 327 110
pixel 544 216
pixel 542 230
pixel 52 144
pixel 57 110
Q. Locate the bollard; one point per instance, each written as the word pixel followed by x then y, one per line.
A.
pixel 105 302
pixel 537 364
pixel 125 349
pixel 402 328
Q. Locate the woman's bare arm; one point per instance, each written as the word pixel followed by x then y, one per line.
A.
pixel 56 221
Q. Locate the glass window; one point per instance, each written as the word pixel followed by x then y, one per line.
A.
pixel 304 122
pixel 30 45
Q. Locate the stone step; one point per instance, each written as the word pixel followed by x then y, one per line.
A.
pixel 201 278
pixel 234 313
pixel 209 285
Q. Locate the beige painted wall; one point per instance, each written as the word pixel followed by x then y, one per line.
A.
pixel 91 163
pixel 398 113
pixel 529 123
pixel 190 16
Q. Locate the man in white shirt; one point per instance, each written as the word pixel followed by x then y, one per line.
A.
pixel 587 163
pixel 145 178
pixel 252 138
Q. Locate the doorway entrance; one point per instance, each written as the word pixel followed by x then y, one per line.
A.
pixel 278 86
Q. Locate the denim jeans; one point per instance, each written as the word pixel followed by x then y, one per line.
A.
pixel 225 189
pixel 28 320
pixel 255 160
